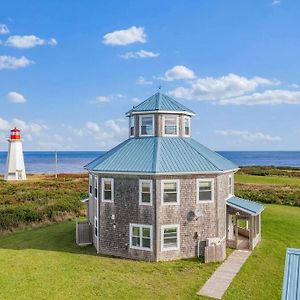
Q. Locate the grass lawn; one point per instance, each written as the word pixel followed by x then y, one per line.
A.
pixel 270 180
pixel 45 263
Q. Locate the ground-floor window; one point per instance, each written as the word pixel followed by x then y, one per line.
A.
pixel 170 237
pixel 140 236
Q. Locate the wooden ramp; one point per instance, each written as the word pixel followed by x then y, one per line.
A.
pixel 218 283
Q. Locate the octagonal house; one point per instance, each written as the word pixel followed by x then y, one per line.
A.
pixel 161 195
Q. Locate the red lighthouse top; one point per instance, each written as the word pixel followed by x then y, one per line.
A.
pixel 15 134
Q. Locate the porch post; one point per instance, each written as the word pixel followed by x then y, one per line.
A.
pixel 236 229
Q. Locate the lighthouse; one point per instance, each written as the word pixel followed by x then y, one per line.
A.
pixel 15 168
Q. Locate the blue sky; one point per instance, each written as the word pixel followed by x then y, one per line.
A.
pixel 69 70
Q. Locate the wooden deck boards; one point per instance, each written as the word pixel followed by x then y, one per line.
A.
pixel 217 284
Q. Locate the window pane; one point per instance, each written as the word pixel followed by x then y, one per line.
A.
pixel 107 185
pixel 146 187
pixel 146 198
pixel 170 197
pixel 171 125
pixel 107 195
pixel 146 243
pixel 136 231
pixel 204 195
pixel 205 185
pixel 147 126
pixel 170 187
pixel 135 241
pixel 146 232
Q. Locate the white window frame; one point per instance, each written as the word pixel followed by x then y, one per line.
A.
pixel 177 181
pixel 91 184
pixel 140 125
pixel 112 189
pixel 231 187
pixel 96 186
pixel 96 225
pixel 183 126
pixel 141 181
pixel 132 118
pixel 212 180
pixel 141 226
pixel 163 227
pixel 164 125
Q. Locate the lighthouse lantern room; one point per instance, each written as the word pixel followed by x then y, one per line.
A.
pixel 15 168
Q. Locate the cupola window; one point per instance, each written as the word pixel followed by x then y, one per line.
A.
pixel 187 126
pixel 131 125
pixel 146 125
pixel 170 127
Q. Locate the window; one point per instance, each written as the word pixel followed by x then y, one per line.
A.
pixel 107 190
pixel 230 185
pixel 170 125
pixel 146 125
pixel 140 237
pixel 169 237
pixel 170 192
pixel 131 125
pixel 205 190
pixel 96 226
pixel 145 192
pixel 90 184
pixel 187 126
pixel 96 187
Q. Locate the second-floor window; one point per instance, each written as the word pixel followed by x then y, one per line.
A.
pixel 170 125
pixel 131 125
pixel 96 187
pixel 205 190
pixel 146 125
pixel 90 184
pixel 107 190
pixel 145 192
pixel 230 185
pixel 170 192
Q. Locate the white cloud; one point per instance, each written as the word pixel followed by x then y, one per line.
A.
pixel 294 86
pixel 248 136
pixel 15 97
pixel 142 81
pixel 92 127
pixel 4 29
pixel 210 88
pixel 266 97
pixel 28 41
pixel 136 100
pixel 12 62
pixel 102 99
pixel 139 54
pixel 178 73
pixel 4 125
pixel 276 2
pixel 105 99
pixel 125 36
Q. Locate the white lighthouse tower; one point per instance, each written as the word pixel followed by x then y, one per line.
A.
pixel 15 168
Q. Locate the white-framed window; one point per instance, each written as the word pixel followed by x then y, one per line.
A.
pixel 230 185
pixel 107 189
pixel 95 226
pixel 205 190
pixel 146 125
pixel 90 185
pixel 170 125
pixel 170 192
pixel 96 187
pixel 187 126
pixel 131 125
pixel 170 237
pixel 140 236
pixel 145 192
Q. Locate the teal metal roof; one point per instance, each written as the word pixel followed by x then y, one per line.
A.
pixel 161 155
pixel 291 279
pixel 160 102
pixel 250 207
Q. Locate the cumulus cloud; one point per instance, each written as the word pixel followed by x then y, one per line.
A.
pixel 139 54
pixel 248 136
pixel 178 73
pixel 211 88
pixel 125 36
pixel 28 41
pixel 4 29
pixel 15 97
pixel 142 81
pixel 12 62
pixel 105 99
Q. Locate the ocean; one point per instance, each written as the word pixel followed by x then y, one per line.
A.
pixel 73 161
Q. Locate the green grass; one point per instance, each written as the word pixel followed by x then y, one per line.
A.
pixel 45 263
pixel 270 180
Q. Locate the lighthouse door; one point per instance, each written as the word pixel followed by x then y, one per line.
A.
pixel 19 175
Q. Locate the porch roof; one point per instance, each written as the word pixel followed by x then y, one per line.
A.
pixel 250 207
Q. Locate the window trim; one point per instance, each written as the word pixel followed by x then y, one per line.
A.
pixel 112 189
pixel 141 226
pixel 164 125
pixel 177 181
pixel 140 125
pixel 231 187
pixel 132 118
pixel 141 181
pixel 183 126
pixel 212 180
pixel 162 229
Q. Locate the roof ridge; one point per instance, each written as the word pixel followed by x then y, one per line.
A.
pixel 204 156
